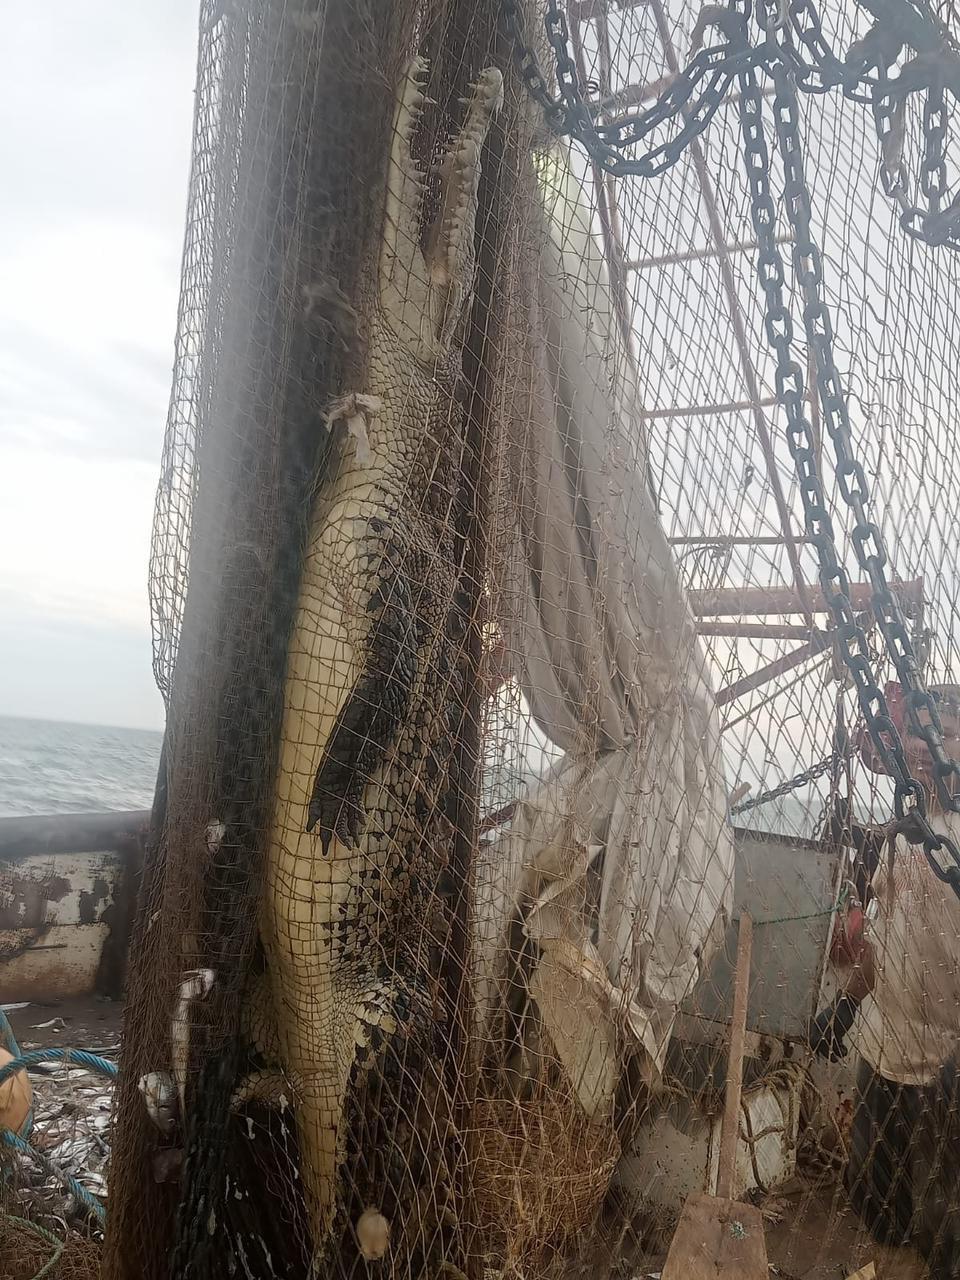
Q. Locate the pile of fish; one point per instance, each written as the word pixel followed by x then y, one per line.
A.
pixel 71 1132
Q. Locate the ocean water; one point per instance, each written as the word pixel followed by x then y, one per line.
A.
pixel 46 767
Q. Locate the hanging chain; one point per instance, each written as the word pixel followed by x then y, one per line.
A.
pixel 695 95
pixel 687 98
pixel 934 224
pixel 909 796
pixel 842 751
pixel 792 784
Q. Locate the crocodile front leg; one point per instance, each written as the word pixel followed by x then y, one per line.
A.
pixel 380 577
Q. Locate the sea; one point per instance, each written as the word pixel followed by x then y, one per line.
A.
pixel 47 767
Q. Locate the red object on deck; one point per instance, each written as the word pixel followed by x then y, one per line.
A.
pixel 847 941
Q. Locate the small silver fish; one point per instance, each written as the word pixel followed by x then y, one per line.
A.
pixel 194 985
pixel 160 1096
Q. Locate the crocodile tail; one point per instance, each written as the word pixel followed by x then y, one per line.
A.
pixel 319 1113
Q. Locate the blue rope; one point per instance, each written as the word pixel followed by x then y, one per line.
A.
pixel 41 1233
pixel 9 1039
pixel 23 1062
pixel 72 1057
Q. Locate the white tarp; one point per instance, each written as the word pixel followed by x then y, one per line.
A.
pixel 621 863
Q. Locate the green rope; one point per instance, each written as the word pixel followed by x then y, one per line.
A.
pixel 811 915
pixel 46 1236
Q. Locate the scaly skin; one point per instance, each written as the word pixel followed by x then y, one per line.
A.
pixel 354 858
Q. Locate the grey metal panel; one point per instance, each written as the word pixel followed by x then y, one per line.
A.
pixel 789 888
pixel 70 833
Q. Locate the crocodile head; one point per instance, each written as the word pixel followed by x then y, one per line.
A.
pixel 424 293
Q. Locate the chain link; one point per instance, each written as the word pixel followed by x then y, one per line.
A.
pixel 696 94
pixel 909 796
pixel 842 751
pixel 934 224
pixel 792 784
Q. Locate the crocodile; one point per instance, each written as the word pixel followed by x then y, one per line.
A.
pixel 356 849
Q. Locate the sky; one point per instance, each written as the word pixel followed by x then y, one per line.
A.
pixel 94 157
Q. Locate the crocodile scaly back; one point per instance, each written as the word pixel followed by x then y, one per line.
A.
pixel 356 856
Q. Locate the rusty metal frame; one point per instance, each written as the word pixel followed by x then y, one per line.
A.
pixel 802 598
pixel 738 602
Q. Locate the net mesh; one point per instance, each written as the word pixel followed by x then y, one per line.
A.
pixel 487 620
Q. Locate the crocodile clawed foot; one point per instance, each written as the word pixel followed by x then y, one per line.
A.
pixel 269 1088
pixel 336 812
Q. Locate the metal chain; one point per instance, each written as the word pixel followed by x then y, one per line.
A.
pixel 842 750
pixel 695 95
pixel 867 540
pixel 685 99
pixel 792 784
pixel 933 225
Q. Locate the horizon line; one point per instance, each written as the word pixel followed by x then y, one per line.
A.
pixel 81 724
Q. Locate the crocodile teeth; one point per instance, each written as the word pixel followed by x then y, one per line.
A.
pixel 487 90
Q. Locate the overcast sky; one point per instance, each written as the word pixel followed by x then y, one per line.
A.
pixel 97 101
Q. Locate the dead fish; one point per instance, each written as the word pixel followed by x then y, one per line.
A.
pixel 195 985
pixel 159 1093
pixel 94 1182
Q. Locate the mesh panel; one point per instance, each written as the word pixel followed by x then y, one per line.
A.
pixel 486 619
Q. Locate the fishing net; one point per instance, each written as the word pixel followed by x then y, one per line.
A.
pixel 520 635
pixel 25 1255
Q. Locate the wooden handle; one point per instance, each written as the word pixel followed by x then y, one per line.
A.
pixel 730 1126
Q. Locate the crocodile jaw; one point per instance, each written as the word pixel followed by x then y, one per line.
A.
pixel 424 295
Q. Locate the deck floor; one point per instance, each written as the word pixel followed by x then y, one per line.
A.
pixel 820 1238
pixel 813 1236
pixel 88 1022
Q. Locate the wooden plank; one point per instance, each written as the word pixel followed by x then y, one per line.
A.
pixel 821 641
pixel 584 10
pixel 701 255
pixel 730 1125
pixel 732 540
pixel 709 410
pixel 756 679
pixel 717 1240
